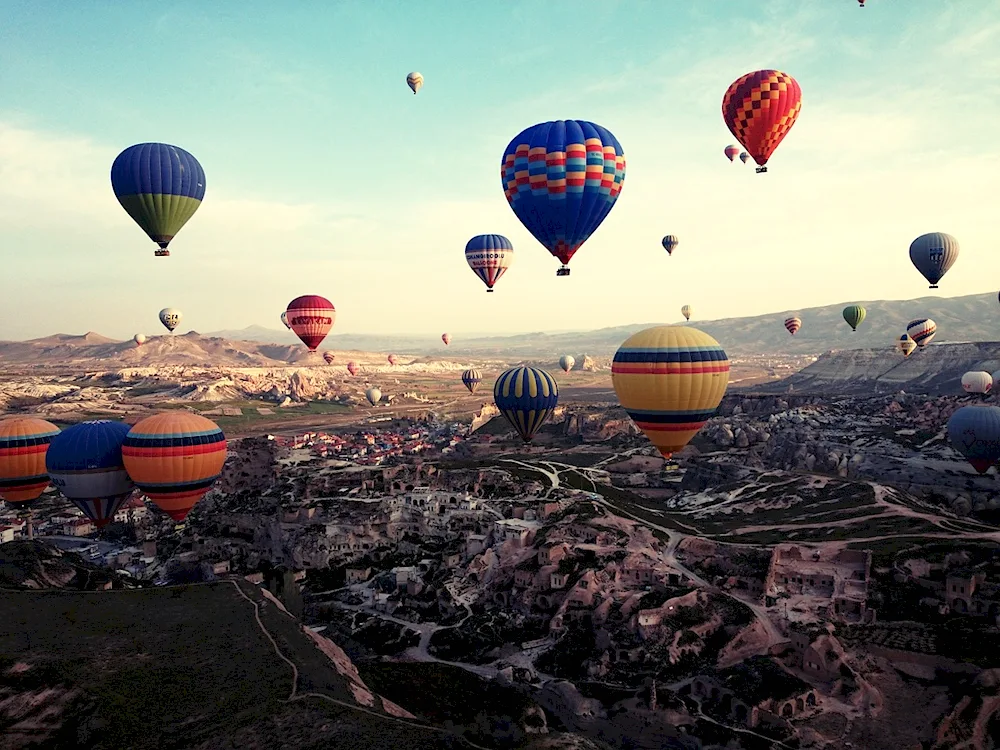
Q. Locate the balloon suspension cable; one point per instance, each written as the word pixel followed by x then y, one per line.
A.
pixel 761 170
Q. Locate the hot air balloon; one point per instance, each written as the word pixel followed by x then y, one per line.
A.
pixel 446 338
pixel 352 367
pixel 174 458
pixel 561 179
pixel 526 396
pixel 861 3
pixel 328 357
pixel 171 318
pixel 374 395
pixel 921 330
pixel 854 314
pixel 759 109
pixel 933 254
pixel 489 256
pixel 977 381
pixel 311 317
pixel 744 156
pixel 414 80
pixel 793 325
pixel 284 320
pixel 686 312
pixel 731 152
pixel 85 464
pixel 566 362
pixel 160 187
pixel 471 378
pixel 23 444
pixel 906 345
pixel 974 431
pixel 670 242
pixel 139 339
pixel 392 359
pixel 670 380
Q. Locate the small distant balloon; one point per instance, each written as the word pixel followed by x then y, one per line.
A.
pixel 566 362
pixel 311 317
pixel 921 330
pixel 328 357
pixel 906 345
pixel 392 359
pixel 854 315
pixel 744 156
pixel 793 325
pixel 374 395
pixel 171 318
pixel 489 256
pixel 732 152
pixel 670 243
pixel 686 312
pixel 352 367
pixel 414 80
pixel 446 338
pixel 284 320
pixel 933 254
pixel 471 378
pixel 139 339
pixel 526 396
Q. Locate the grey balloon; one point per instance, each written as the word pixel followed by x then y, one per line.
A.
pixel 974 431
pixel 933 254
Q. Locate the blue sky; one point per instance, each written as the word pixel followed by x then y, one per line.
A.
pixel 325 175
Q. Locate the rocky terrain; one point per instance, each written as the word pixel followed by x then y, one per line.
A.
pixel 936 369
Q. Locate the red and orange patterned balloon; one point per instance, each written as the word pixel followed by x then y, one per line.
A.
pixel 311 317
pixel 759 109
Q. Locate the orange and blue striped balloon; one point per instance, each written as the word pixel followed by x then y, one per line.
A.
pixel 174 458
pixel 24 441
pixel 526 396
pixel 670 380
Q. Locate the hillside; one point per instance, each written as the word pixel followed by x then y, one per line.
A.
pixel 967 318
pixel 184 667
pixel 935 370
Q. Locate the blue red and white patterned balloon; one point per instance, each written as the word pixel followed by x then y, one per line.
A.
pixel 562 178
pixel 489 256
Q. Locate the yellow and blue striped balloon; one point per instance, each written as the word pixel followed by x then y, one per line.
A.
pixel 472 378
pixel 526 396
pixel 670 380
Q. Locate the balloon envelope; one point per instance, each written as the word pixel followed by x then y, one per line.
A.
pixel 24 441
pixel 174 458
pixel 374 395
pixel 759 109
pixel 414 80
pixel 566 362
pixel 311 317
pixel 85 464
pixel 392 359
pixel 284 319
pixel 933 254
pixel 446 338
pixel 974 431
pixel 352 367
pixel 160 186
pixel 744 156
pixel 686 312
pixel 731 152
pixel 526 396
pixel 921 330
pixel 170 317
pixel 328 357
pixel 854 315
pixel 489 256
pixel 977 381
pixel 472 378
pixel 139 339
pixel 906 345
pixel 670 380
pixel 562 178
pixel 793 325
pixel 670 243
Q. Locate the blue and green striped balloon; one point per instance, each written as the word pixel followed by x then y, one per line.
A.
pixel 160 186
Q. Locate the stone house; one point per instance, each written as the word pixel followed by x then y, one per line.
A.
pixel 357 575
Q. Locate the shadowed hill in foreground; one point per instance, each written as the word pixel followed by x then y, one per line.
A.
pixel 935 370
pixel 182 667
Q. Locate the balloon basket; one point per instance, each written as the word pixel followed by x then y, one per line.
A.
pixel 933 286
pixel 562 271
pixel 489 291
pixel 161 253
pixel 761 170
